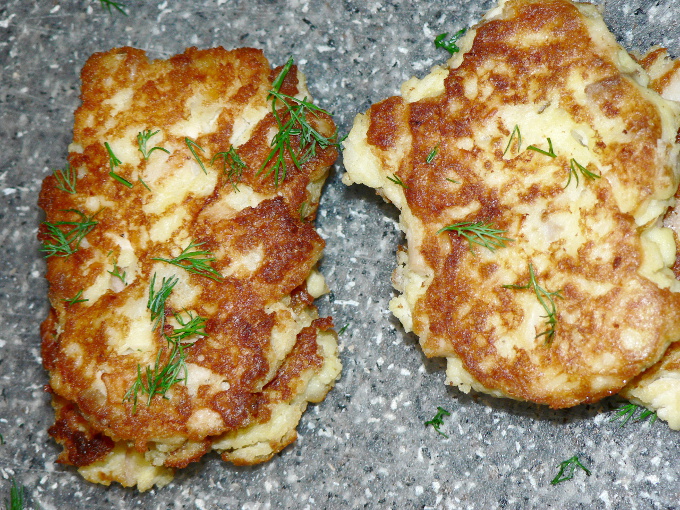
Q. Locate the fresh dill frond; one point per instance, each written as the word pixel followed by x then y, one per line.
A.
pixel 433 154
pixel 114 162
pixel 157 299
pixel 397 180
pixel 192 147
pixel 120 179
pixel 16 496
pixel 233 165
pixel 550 152
pixel 438 420
pixel 628 412
pixel 143 138
pixel 449 44
pixel 483 234
pixel 568 469
pixel 116 272
pixel 107 4
pixel 196 261
pixel 66 179
pixel 157 380
pixel 453 181
pixel 309 139
pixel 343 329
pixel 2 439
pixel 144 184
pixel 75 299
pixel 515 134
pixel 545 298
pixel 575 168
pixel 64 243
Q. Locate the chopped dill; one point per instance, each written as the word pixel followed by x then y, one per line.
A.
pixel 75 299
pixel 433 154
pixel 483 234
pixel 397 180
pixel 575 168
pixel 343 329
pixel 192 147
pixel 116 272
pixel 107 4
pixel 234 163
pixel 568 469
pixel 142 139
pixel 515 134
pixel 550 152
pixel 196 261
pixel 449 44
pixel 545 298
pixel 63 244
pixel 628 412
pixel 16 496
pixel 66 179
pixel 157 299
pixel 438 420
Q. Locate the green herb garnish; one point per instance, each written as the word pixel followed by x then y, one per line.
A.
pixel 483 234
pixel 120 179
pixel 433 154
pixel 567 470
pixel 192 147
pixel 453 181
pixel 234 163
pixel 16 496
pixel 396 180
pixel 157 299
pixel 107 4
pixel 343 329
pixel 116 272
pixel 66 179
pixel 144 184
pixel 515 133
pixel 438 421
pixel 143 138
pixel 550 152
pixel 66 243
pixel 196 261
pixel 157 380
pixel 75 299
pixel 114 163
pixel 628 411
pixel 545 298
pixel 449 44
pixel 575 168
pixel 297 125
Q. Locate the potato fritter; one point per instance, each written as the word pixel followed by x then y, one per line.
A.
pixel 181 255
pixel 531 173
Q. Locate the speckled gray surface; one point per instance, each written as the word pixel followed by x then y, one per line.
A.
pixel 366 446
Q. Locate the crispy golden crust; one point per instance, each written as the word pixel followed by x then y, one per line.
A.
pixel 553 71
pixel 257 312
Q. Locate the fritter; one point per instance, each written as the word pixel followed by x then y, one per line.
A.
pixel 658 388
pixel 181 258
pixel 531 173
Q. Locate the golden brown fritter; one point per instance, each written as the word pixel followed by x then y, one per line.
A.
pixel 540 131
pixel 185 263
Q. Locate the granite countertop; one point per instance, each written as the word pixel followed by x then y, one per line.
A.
pixel 366 445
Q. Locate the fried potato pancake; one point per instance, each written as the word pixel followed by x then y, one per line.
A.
pixel 531 173
pixel 658 388
pixel 181 258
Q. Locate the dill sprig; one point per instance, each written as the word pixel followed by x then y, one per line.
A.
pixel 545 298
pixel 343 329
pixel 75 299
pixel 438 420
pixel 16 496
pixel 550 152
pixel 515 134
pixel 116 272
pixel 159 378
pixel 66 243
pixel 575 168
pixel 192 147
pixel 234 163
pixel 196 261
pixel 297 125
pixel 66 179
pixel 397 180
pixel 483 234
pixel 157 299
pixel 114 163
pixel 454 181
pixel 568 469
pixel 628 412
pixel 449 44
pixel 143 138
pixel 107 4
pixel 433 154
